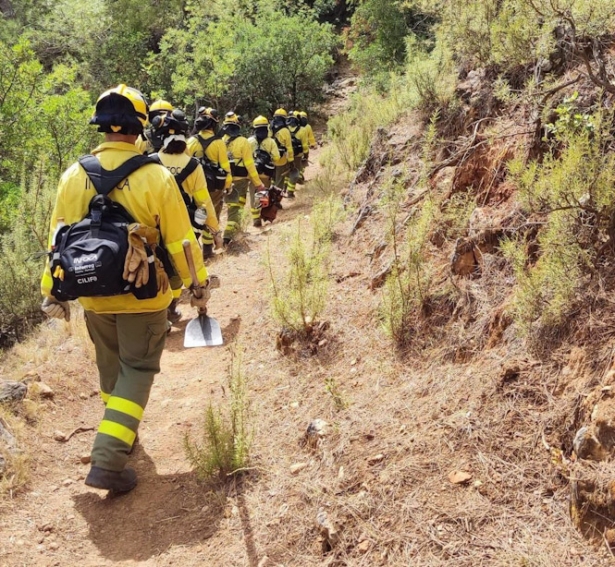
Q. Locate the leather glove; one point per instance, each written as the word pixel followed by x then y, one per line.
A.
pixel 162 279
pixel 56 309
pixel 204 294
pixel 151 235
pixel 218 240
pixel 136 268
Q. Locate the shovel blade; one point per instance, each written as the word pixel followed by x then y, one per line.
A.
pixel 203 332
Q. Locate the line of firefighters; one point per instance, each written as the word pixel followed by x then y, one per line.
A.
pixel 276 155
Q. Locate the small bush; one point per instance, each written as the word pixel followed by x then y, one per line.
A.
pixel 299 296
pixel 224 446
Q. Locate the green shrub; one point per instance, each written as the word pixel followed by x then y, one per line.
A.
pixel 299 295
pixel 224 445
pixel 572 188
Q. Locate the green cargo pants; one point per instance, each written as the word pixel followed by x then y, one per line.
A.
pixel 217 198
pixel 128 350
pixel 236 201
pixel 281 174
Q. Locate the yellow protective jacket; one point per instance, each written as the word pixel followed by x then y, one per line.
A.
pixel 269 145
pixel 310 136
pixel 283 136
pixel 194 185
pixel 144 146
pixel 152 197
pixel 240 151
pixel 216 152
pixel 301 134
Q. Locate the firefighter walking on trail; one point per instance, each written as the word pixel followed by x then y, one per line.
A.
pixel 129 324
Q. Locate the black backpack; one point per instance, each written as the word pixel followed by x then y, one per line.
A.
pixel 275 128
pixel 236 169
pixel 297 145
pixel 263 162
pixel 87 257
pixel 214 174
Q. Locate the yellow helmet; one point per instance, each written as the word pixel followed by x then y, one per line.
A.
pixel 303 113
pixel 161 105
pixel 231 118
pixel 280 112
pixel 260 121
pixel 121 110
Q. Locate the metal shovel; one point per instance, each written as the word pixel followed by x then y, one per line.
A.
pixel 203 331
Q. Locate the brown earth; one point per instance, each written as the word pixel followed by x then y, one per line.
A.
pixel 456 453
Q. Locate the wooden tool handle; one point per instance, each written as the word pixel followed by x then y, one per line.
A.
pixel 195 281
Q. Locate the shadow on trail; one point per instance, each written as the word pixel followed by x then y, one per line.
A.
pixel 161 512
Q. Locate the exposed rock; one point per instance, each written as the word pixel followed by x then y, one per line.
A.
pixel 443 180
pixel 364 546
pixel 459 477
pixel 297 467
pixel 59 435
pixel 375 459
pixel 464 261
pixel 316 430
pixel 12 391
pixel 587 446
pixel 6 437
pixel 42 390
pixel 328 531
pixel 2 465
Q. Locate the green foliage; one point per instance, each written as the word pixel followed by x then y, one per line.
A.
pixel 299 296
pixel 407 286
pixel 573 188
pixel 224 446
pixel 352 131
pixel 251 64
pixel 378 32
pixel 21 249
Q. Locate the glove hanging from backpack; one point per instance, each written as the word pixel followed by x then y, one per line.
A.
pixel 162 279
pixel 136 266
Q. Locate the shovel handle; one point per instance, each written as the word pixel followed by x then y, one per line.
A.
pixel 195 281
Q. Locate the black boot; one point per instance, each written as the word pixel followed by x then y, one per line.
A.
pixel 208 251
pixel 257 222
pixel 115 481
pixel 173 314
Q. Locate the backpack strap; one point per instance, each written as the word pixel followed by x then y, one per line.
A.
pixel 206 143
pixel 105 180
pixel 186 171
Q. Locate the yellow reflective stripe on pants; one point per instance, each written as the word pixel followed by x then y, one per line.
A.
pixel 118 431
pixel 177 247
pixel 125 406
pixel 105 397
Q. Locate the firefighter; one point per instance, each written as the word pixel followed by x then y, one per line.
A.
pixel 208 146
pixel 172 129
pixel 128 333
pixel 283 139
pixel 303 120
pixel 266 155
pixel 301 147
pixel 244 172
pixel 147 143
